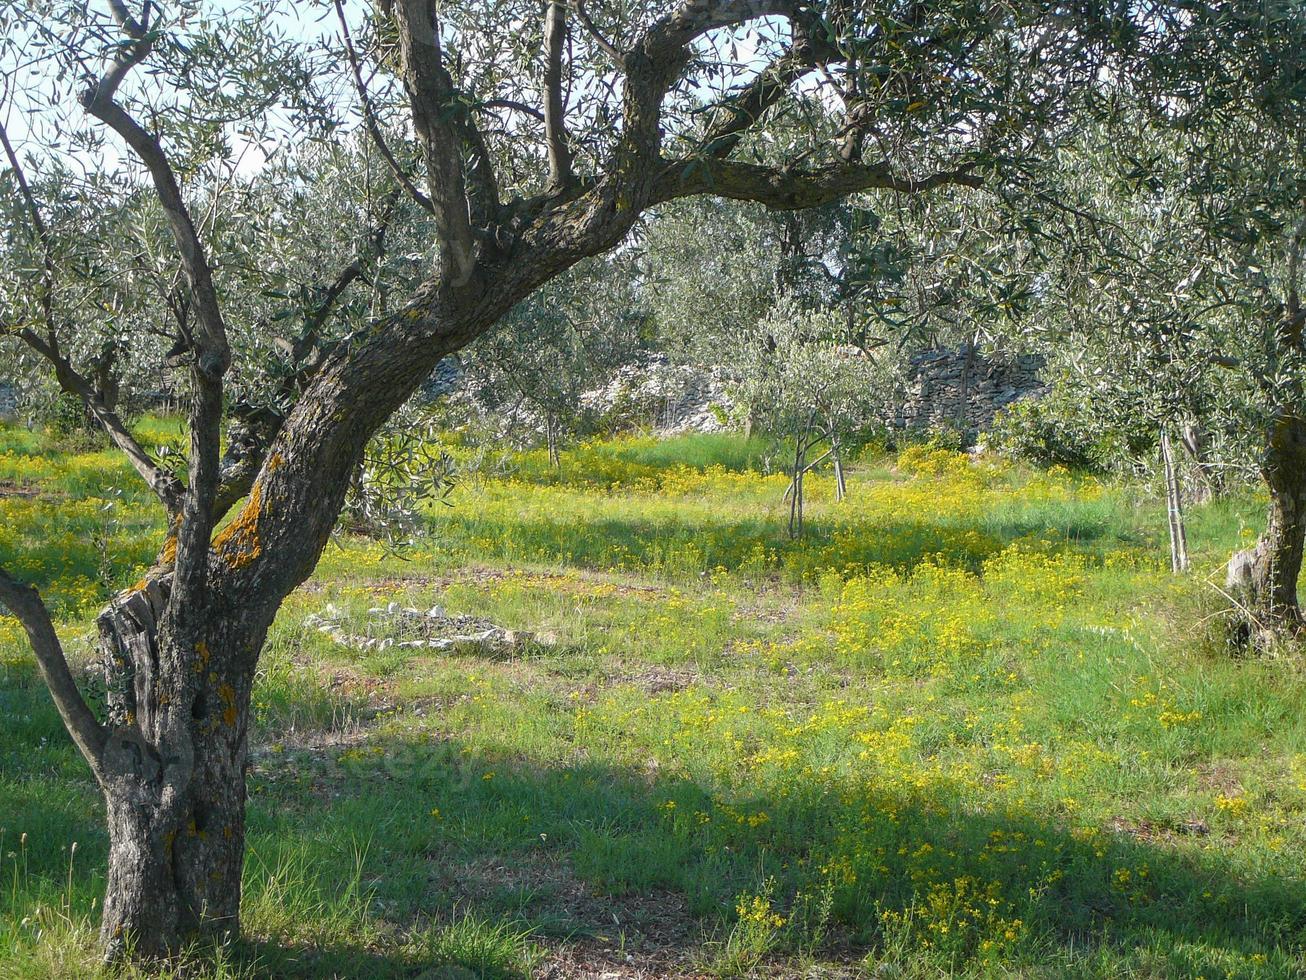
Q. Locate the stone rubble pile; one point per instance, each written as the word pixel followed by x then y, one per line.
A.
pixel 393 625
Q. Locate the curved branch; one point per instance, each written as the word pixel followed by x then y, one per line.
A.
pixel 513 104
pixel 26 605
pixel 212 352
pixel 165 486
pixel 163 483
pixel 212 355
pixel 659 57
pixel 735 116
pixel 606 46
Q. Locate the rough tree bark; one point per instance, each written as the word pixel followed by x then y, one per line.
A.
pixel 173 773
pixel 1266 575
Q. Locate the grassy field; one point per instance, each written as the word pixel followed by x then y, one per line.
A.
pixel 970 726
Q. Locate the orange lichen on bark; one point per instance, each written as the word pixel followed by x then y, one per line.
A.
pixel 228 697
pixel 167 555
pixel 238 543
pixel 202 649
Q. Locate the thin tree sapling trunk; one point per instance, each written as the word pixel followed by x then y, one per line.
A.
pixel 840 485
pixel 1174 506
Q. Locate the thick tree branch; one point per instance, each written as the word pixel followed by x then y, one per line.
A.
pixel 26 605
pixel 659 57
pixel 210 341
pixel 555 124
pixel 668 37
pixel 431 95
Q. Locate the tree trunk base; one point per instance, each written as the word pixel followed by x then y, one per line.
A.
pixel 1262 617
pixel 173 778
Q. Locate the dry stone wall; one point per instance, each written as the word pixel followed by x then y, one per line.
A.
pixel 8 401
pixel 671 397
pixel 963 389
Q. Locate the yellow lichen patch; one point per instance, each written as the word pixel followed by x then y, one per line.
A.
pixel 228 697
pixel 202 649
pixel 274 462
pixel 238 543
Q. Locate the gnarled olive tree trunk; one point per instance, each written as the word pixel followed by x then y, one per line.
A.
pixel 179 675
pixel 173 771
pixel 1266 575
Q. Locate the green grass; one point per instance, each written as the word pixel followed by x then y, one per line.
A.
pixel 969 726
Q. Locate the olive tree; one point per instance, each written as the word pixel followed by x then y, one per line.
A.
pixel 803 376
pixel 528 137
pixel 1173 285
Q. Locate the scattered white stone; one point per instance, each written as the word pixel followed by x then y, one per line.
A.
pixel 405 627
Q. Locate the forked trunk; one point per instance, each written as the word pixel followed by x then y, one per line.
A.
pixel 1266 575
pixel 173 776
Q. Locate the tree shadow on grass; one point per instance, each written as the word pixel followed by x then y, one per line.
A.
pixel 408 854
pixel 762 546
pixel 608 857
